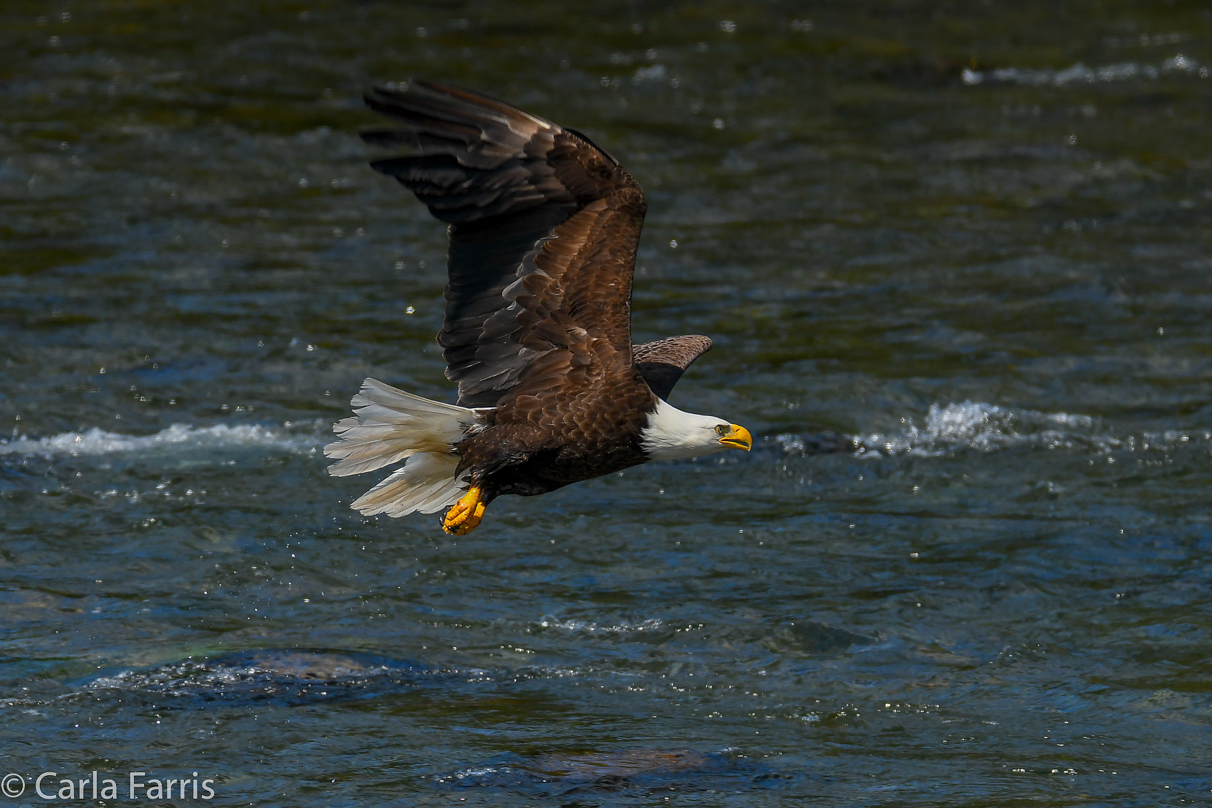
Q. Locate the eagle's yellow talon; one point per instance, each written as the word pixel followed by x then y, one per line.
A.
pixel 465 515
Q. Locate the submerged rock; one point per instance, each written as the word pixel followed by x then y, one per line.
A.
pixel 814 443
pixel 808 638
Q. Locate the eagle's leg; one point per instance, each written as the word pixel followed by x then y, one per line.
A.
pixel 465 515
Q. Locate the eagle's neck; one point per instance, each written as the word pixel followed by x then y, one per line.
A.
pixel 675 435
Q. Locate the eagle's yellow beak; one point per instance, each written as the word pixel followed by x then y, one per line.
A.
pixel 737 437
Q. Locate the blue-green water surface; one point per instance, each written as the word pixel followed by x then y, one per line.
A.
pixel 966 244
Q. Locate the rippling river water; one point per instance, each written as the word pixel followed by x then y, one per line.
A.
pixel 955 259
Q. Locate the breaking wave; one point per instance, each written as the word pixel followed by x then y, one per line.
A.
pixel 622 627
pixel 1081 74
pixel 977 426
pixel 97 441
pixel 288 675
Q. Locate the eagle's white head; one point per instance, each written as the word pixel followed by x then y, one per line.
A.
pixel 675 435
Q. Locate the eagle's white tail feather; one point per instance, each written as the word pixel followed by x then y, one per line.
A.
pixel 391 425
pixel 425 483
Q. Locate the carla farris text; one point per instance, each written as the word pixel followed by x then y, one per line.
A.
pixel 136 786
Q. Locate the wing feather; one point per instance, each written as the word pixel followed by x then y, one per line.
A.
pixel 543 231
pixel 663 362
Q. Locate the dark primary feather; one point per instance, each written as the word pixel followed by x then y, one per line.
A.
pixel 663 362
pixel 543 231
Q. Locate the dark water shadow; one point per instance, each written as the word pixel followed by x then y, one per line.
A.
pixel 589 777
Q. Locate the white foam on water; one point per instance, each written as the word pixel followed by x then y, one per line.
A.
pixel 173 677
pixel 473 773
pixel 548 621
pixel 985 427
pixel 97 441
pixel 1081 74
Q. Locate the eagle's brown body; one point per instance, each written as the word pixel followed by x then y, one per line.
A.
pixel 543 228
pixel 540 444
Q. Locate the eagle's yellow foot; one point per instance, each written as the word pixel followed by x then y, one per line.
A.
pixel 465 515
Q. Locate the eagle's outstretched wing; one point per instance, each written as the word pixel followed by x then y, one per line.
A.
pixel 543 233
pixel 663 362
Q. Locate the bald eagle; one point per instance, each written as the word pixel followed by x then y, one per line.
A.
pixel 543 228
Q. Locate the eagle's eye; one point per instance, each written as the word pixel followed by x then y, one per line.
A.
pixel 721 430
